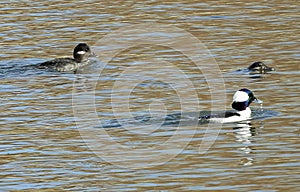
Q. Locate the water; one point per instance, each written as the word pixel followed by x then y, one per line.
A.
pixel 51 135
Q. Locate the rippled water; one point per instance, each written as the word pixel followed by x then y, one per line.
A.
pixel 51 123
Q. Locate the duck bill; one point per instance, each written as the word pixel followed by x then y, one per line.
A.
pixel 267 69
pixel 258 101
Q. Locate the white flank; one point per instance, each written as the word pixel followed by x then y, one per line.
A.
pixel 244 115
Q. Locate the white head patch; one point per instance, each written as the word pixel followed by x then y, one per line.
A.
pixel 81 52
pixel 240 96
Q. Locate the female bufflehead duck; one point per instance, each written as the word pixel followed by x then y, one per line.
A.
pixel 260 68
pixel 81 53
pixel 241 101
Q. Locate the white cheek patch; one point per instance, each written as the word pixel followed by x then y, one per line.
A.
pixel 81 52
pixel 240 96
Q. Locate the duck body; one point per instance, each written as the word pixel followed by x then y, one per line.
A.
pixel 62 64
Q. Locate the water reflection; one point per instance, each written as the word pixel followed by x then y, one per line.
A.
pixel 244 132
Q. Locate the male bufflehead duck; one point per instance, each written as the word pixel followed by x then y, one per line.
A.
pixel 241 101
pixel 81 53
pixel 259 67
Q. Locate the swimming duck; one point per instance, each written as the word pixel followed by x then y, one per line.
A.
pixel 241 102
pixel 259 67
pixel 81 54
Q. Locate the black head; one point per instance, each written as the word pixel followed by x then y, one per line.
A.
pixel 81 52
pixel 242 99
pixel 260 67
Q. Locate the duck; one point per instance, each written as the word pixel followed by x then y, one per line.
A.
pixel 241 102
pixel 81 55
pixel 259 67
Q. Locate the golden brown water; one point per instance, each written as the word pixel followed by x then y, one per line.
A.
pixel 43 148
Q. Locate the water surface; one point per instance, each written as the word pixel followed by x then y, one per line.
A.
pixel 43 149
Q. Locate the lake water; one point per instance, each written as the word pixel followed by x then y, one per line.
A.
pixel 103 128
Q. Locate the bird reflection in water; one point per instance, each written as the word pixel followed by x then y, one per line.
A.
pixel 244 133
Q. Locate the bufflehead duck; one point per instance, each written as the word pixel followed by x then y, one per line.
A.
pixel 81 53
pixel 241 101
pixel 259 67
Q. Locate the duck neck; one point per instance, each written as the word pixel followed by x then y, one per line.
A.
pixel 245 113
pixel 80 58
